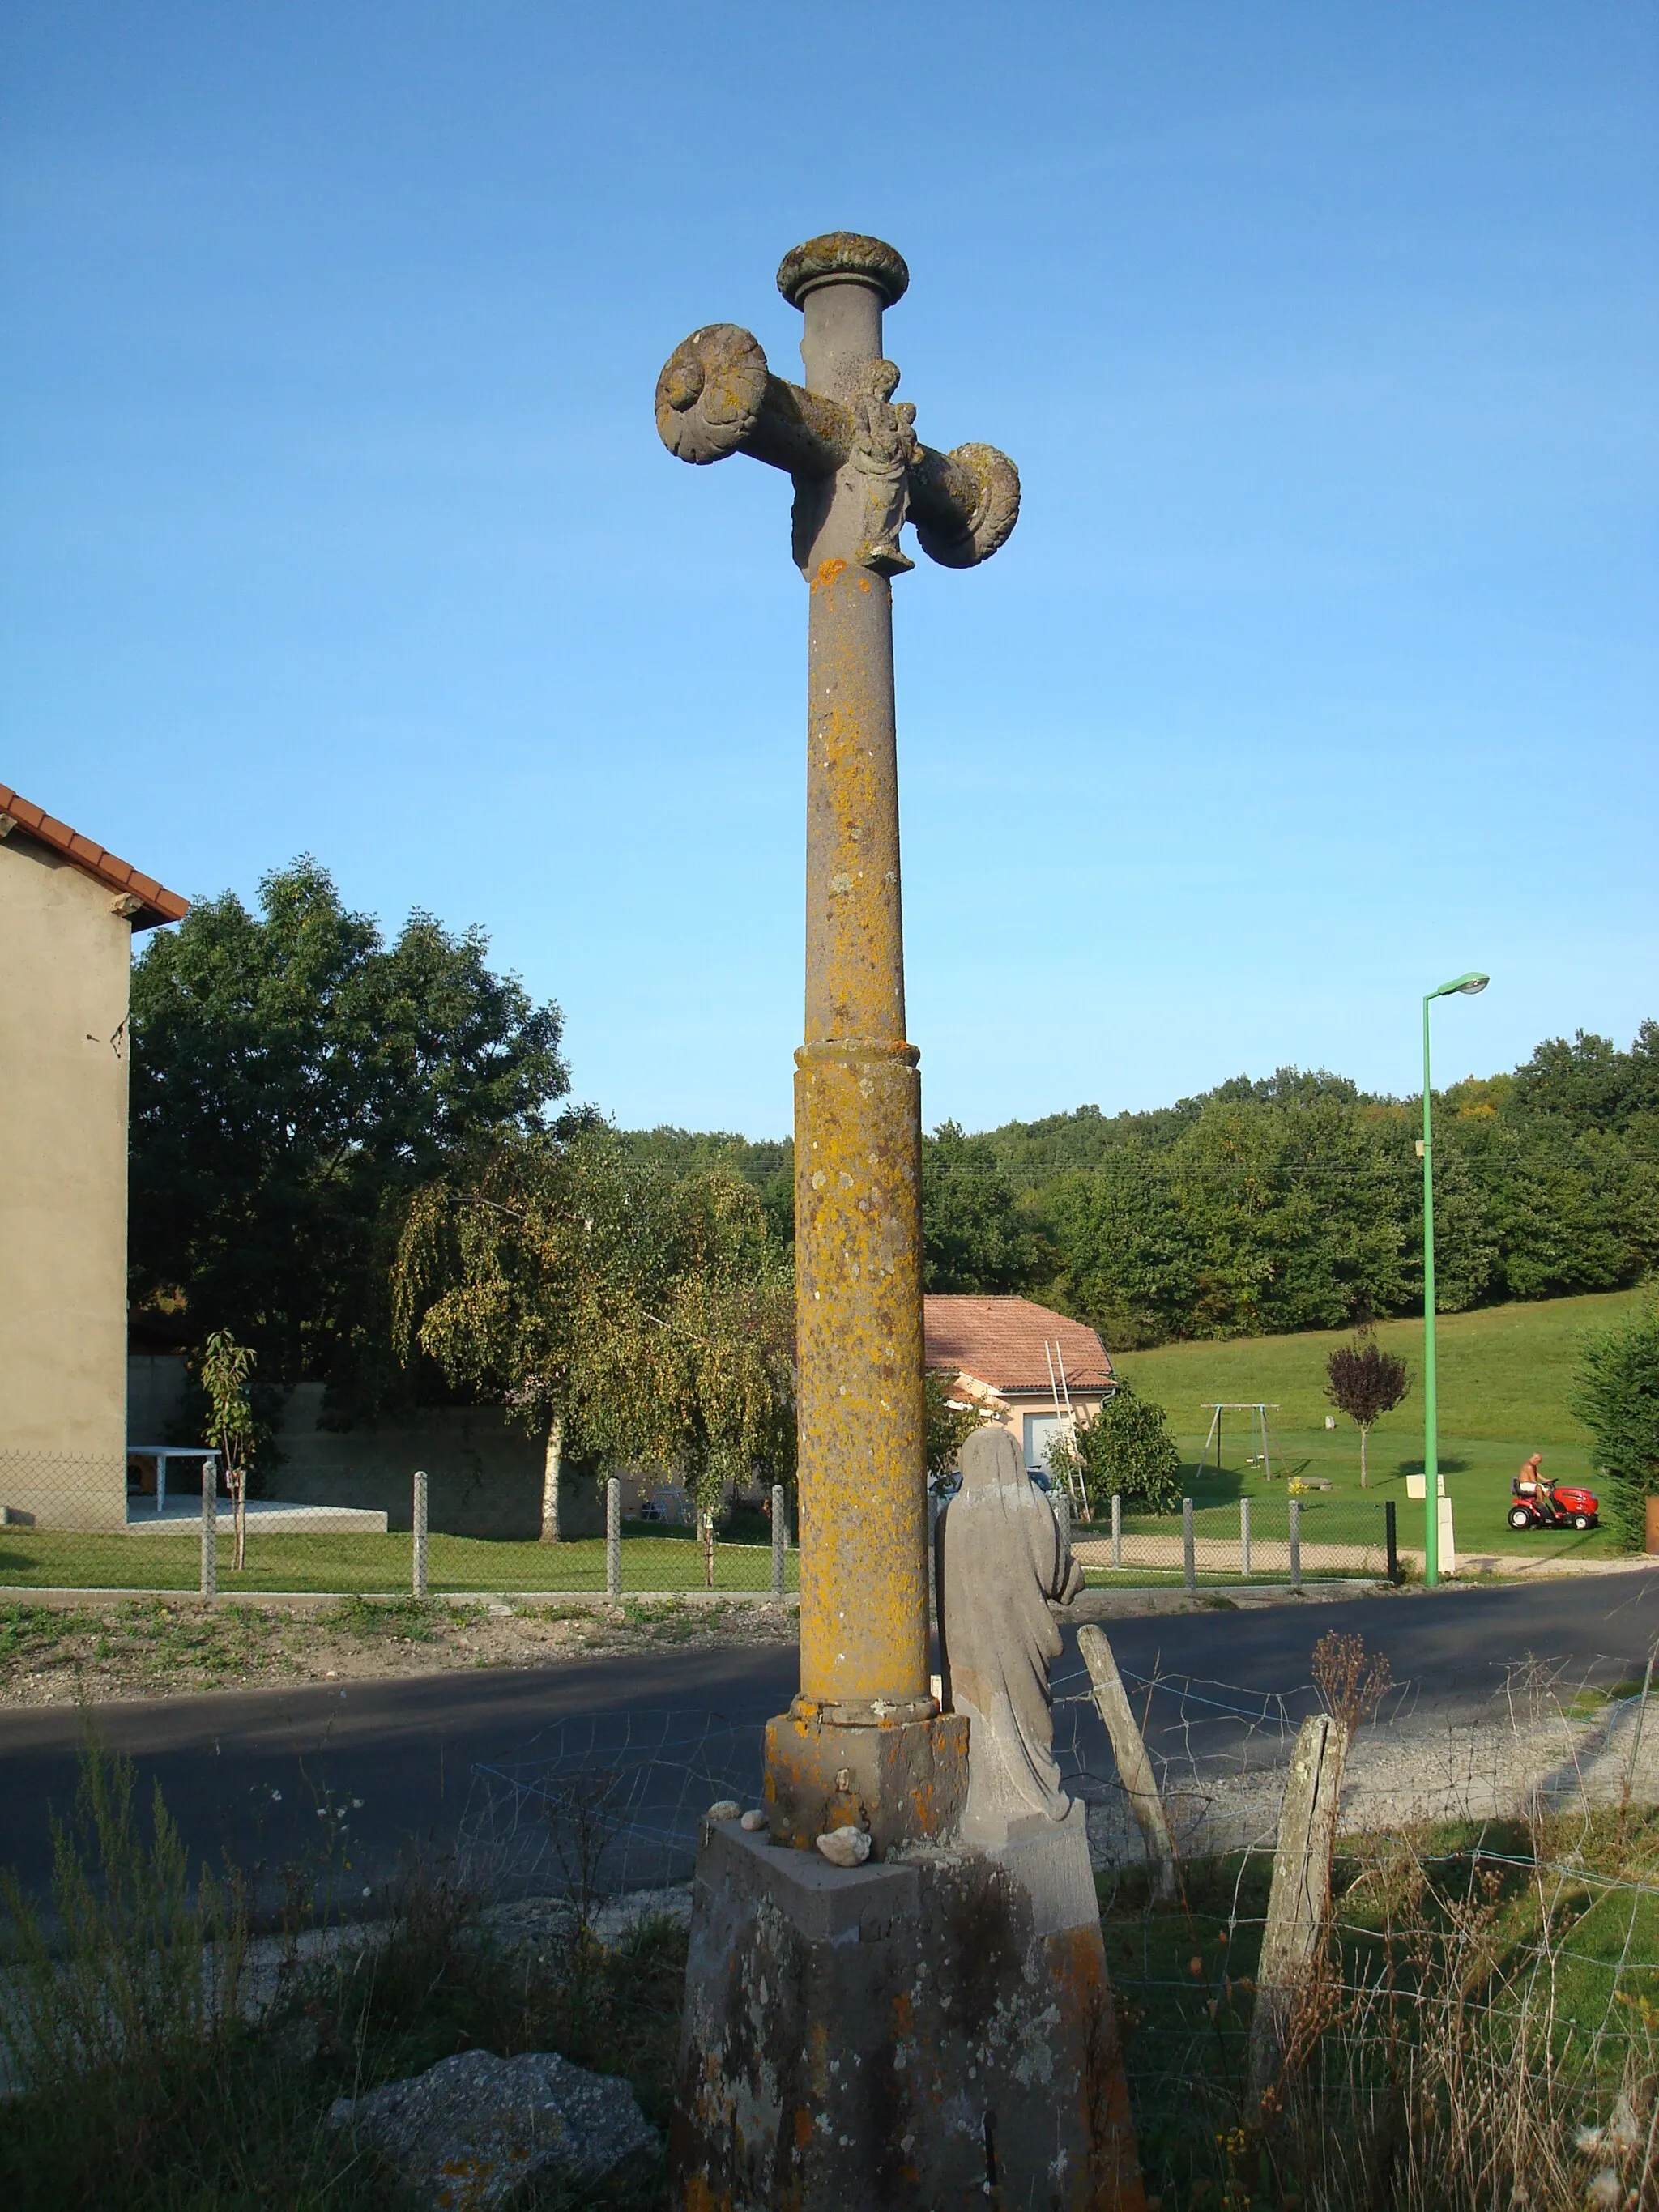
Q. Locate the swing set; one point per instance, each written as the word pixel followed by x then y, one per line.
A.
pixel 1260 1408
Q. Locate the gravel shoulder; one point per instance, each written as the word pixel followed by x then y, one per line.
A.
pixel 121 1647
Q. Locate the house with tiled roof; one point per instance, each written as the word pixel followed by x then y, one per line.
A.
pixel 67 910
pixel 1033 1370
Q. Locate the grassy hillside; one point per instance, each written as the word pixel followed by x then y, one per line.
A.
pixel 1505 1374
pixel 1506 1371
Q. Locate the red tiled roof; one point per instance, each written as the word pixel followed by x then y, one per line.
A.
pixel 1000 1342
pixel 155 903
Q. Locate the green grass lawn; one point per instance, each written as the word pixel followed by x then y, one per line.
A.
pixel 653 1559
pixel 1505 1376
pixel 1505 1372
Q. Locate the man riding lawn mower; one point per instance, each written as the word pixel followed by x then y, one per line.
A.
pixel 1538 1504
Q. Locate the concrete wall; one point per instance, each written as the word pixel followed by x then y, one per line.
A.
pixel 485 1474
pixel 65 955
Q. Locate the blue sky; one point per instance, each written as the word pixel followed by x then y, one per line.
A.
pixel 1323 663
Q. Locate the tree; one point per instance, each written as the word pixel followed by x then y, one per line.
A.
pixel 294 1079
pixel 1365 1382
pixel 634 1318
pixel 948 1427
pixel 1616 1395
pixel 490 1278
pixel 693 1366
pixel 1127 1447
pixel 974 1235
pixel 225 1369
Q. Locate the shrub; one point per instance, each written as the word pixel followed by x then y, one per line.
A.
pixel 1127 1447
pixel 1616 1395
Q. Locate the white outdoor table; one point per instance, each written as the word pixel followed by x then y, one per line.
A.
pixel 162 1453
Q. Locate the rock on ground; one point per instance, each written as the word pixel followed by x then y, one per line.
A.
pixel 469 2133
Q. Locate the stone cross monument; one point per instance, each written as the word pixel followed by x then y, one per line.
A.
pixel 860 471
pixel 906 2018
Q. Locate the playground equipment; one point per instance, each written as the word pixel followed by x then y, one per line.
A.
pixel 1260 1407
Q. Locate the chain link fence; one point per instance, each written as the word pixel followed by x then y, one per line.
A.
pixel 1277 1539
pixel 163 1521
pixel 1477 2024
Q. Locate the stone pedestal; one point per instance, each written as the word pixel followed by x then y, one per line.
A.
pixel 926 2034
pixel 904 1780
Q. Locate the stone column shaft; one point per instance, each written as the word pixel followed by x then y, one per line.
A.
pixel 858 1135
pixel 864 1744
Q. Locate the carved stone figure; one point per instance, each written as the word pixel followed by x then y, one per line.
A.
pixel 1001 1557
pixel 883 447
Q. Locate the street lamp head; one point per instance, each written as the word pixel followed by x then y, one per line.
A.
pixel 1467 986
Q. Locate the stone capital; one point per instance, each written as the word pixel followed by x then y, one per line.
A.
pixel 843 257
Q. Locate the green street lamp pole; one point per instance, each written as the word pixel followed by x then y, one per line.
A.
pixel 1467 986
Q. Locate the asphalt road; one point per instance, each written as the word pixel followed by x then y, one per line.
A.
pixel 247 1771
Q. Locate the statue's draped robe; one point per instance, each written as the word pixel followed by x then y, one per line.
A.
pixel 1000 1559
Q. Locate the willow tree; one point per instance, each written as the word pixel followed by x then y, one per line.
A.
pixel 628 1318
pixel 687 1361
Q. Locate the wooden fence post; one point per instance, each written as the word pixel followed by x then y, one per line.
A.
pixel 1134 1767
pixel 1299 1903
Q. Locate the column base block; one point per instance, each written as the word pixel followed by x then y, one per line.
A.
pixel 926 2034
pixel 905 1781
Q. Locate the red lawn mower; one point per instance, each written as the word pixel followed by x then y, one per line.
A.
pixel 1540 1505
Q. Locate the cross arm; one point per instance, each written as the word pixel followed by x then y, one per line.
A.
pixel 717 397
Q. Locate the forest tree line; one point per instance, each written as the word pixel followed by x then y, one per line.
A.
pixel 1290 1202
pixel 301 1087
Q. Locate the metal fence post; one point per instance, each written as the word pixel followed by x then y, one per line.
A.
pixel 1062 1505
pixel 1188 1549
pixel 780 1540
pixel 1391 1536
pixel 418 1577
pixel 613 1539
pixel 1117 1528
pixel 1296 1543
pixel 1243 1535
pixel 211 1526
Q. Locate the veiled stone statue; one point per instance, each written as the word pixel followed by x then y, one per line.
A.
pixel 1000 1559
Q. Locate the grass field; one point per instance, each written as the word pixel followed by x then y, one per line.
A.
pixel 654 1560
pixel 1505 1376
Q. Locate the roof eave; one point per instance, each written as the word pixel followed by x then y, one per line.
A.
pixel 140 899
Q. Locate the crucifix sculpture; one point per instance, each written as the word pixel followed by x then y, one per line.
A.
pixel 868 2025
pixel 863 1742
